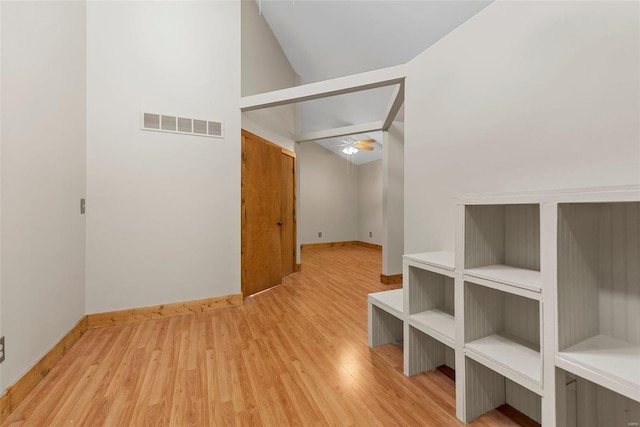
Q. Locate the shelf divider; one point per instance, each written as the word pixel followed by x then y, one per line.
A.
pixel 441 259
pixel 523 278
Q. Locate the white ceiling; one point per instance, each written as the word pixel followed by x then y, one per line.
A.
pixel 324 39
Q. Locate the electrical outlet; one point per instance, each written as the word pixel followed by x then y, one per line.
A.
pixel 319 233
pixel 1 349
pixel 371 234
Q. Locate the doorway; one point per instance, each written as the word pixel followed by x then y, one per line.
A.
pixel 268 217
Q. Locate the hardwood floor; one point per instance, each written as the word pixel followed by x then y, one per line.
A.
pixel 296 354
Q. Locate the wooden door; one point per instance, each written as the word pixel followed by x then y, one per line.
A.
pixel 261 215
pixel 288 229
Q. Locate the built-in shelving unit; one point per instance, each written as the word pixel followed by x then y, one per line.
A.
pixel 599 294
pixel 540 311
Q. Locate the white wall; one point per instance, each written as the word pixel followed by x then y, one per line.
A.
pixel 524 96
pixel 265 68
pixel 163 221
pixel 328 196
pixel 393 199
pixel 43 177
pixel 370 202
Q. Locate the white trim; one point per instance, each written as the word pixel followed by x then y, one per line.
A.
pixel 548 321
pixel 338 86
pixel 429 267
pixel 438 259
pixel 623 193
pixel 503 287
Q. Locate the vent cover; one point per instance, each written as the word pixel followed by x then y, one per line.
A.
pixel 151 121
pixel 215 128
pixel 168 123
pixel 200 127
pixel 183 125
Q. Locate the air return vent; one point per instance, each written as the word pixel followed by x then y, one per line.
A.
pixel 151 121
pixel 215 128
pixel 200 127
pixel 168 123
pixel 183 125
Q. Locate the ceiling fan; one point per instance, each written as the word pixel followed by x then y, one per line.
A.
pixel 352 146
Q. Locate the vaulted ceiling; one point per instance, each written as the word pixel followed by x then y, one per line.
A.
pixel 324 39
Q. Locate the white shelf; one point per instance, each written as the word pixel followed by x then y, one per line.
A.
pixel 513 276
pixel 389 301
pixel 441 259
pixel 436 323
pixel 509 357
pixel 606 361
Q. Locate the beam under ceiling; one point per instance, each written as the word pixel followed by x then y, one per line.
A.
pixel 342 131
pixel 338 86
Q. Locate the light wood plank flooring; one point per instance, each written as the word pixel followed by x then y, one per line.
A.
pixel 293 355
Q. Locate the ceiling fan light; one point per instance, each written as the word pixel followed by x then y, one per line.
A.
pixel 349 150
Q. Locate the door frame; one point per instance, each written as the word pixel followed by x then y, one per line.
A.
pixel 246 134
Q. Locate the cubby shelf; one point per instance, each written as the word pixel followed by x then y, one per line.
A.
pixel 502 332
pixel 423 352
pixel 511 357
pixel 598 291
pixel 502 244
pixel 390 301
pixel 437 323
pixel 488 388
pixel 429 294
pixel 512 276
pixel 386 317
pixel 607 361
pixel 429 311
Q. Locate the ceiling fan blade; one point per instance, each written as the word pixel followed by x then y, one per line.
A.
pixel 364 147
pixel 366 141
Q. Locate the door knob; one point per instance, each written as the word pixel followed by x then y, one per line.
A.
pixel 279 223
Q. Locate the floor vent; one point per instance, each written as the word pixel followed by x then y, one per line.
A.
pixel 183 125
